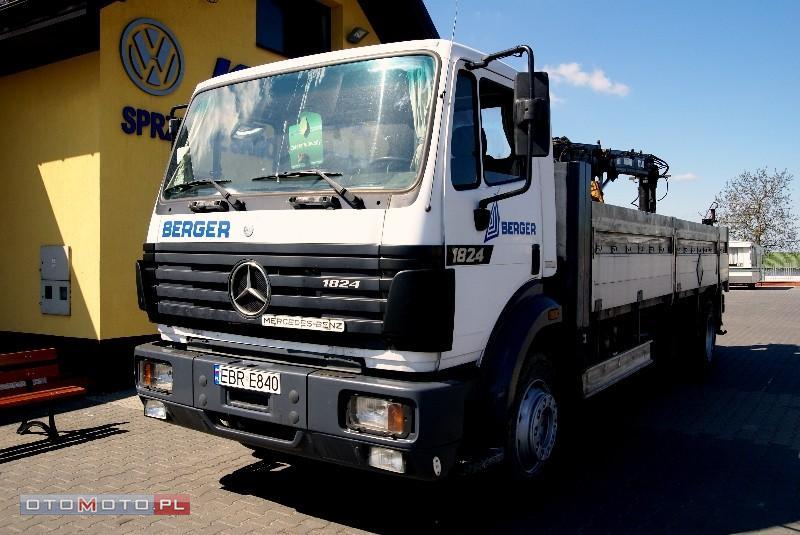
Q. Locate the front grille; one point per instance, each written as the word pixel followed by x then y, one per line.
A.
pixel 188 285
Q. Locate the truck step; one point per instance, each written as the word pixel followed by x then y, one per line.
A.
pixel 476 465
pixel 602 375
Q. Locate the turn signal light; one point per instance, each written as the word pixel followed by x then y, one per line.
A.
pixel 155 375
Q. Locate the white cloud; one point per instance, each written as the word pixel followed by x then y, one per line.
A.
pixel 555 99
pixel 573 74
pixel 683 177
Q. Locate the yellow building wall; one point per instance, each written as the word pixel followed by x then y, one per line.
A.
pixel 132 166
pixel 49 143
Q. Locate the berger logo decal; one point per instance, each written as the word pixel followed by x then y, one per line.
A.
pixel 199 228
pixel 493 230
pixel 499 227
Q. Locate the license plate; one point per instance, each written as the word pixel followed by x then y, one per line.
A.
pixel 247 379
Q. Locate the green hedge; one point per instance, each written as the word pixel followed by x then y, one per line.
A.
pixel 782 259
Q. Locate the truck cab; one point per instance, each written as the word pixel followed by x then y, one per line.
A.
pixel 354 257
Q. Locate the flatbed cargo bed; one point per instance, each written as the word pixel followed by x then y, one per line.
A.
pixel 631 256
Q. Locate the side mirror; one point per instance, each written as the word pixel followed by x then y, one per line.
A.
pixel 174 126
pixel 532 114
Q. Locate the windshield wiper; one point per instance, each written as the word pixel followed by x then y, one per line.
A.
pixel 349 197
pixel 233 201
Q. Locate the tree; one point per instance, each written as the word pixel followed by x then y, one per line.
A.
pixel 757 207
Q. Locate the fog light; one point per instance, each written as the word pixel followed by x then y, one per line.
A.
pixel 155 409
pixel 155 375
pixel 378 416
pixel 386 459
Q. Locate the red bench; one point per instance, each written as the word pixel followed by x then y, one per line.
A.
pixel 33 378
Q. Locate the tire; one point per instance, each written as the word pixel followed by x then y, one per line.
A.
pixel 533 422
pixel 704 344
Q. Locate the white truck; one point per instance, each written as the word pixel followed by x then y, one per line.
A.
pixel 371 257
pixel 745 263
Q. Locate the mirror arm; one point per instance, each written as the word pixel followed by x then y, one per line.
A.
pixel 171 117
pixel 516 51
pixel 481 214
pixel 176 108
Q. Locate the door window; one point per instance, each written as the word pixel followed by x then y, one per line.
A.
pixel 500 164
pixel 464 163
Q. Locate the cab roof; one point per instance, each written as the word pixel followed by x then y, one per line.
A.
pixel 444 49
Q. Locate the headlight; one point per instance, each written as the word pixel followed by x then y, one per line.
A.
pixel 378 416
pixel 155 375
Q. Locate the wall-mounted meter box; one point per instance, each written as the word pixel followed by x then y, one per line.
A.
pixel 55 281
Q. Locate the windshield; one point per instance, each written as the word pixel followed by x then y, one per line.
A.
pixel 367 120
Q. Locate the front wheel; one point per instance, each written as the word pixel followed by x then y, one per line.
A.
pixel 533 429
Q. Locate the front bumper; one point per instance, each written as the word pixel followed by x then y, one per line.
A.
pixel 308 418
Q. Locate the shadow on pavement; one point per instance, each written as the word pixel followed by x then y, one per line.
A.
pixel 67 439
pixel 38 412
pixel 654 455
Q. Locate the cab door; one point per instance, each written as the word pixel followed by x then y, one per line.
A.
pixel 490 265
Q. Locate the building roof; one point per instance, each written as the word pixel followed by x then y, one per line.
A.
pixel 38 32
pixel 392 24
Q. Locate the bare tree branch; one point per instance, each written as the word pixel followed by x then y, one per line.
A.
pixel 757 206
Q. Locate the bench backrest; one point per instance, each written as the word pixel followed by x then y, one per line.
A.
pixel 25 369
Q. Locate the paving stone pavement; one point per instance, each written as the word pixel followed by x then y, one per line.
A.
pixel 658 454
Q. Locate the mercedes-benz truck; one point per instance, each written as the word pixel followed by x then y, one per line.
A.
pixel 379 257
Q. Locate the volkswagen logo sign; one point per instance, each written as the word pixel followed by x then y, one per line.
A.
pixel 249 288
pixel 151 56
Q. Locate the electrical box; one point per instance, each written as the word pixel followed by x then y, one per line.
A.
pixel 55 281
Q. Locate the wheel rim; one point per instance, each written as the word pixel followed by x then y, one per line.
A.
pixel 710 340
pixel 537 424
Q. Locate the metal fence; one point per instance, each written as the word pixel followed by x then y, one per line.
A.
pixel 780 272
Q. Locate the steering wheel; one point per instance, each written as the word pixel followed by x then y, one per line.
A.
pixel 387 161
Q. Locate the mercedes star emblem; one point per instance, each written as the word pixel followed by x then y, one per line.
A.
pixel 250 290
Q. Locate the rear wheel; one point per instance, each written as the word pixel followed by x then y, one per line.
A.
pixel 705 342
pixel 533 427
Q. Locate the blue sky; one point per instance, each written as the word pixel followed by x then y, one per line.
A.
pixel 711 87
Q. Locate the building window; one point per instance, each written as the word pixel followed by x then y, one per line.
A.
pixel 293 28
